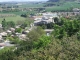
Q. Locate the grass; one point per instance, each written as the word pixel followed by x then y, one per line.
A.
pixel 15 19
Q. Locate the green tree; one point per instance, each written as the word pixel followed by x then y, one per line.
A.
pixel 56 20
pixel 4 24
pixel 25 24
pixel 10 24
pixel 19 30
pixel 43 41
pixel 36 33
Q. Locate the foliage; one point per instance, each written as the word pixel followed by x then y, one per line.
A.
pixel 24 25
pixel 4 24
pixel 42 42
pixel 14 40
pixel 56 20
pixel 47 26
pixel 78 35
pixel 18 30
pixel 36 33
pixel 42 47
pixel 23 15
pixel 10 24
pixel 67 28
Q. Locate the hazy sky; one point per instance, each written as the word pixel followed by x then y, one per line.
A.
pixel 21 0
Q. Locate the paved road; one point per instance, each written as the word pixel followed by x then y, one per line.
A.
pixel 7 43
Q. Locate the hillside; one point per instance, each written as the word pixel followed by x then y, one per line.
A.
pixel 61 0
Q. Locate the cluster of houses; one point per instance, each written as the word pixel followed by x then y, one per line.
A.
pixel 45 18
pixel 11 32
pixel 48 17
pixel 68 14
pixel 76 10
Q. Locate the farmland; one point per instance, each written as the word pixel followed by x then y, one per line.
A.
pixel 32 8
pixel 64 6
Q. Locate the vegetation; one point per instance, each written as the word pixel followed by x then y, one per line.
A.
pixel 62 44
pixel 8 24
pixel 14 19
pixel 18 30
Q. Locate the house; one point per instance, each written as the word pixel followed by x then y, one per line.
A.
pixel 18 26
pixel 0 25
pixel 3 34
pixel 22 36
pixel 8 31
pixel 12 29
pixel 48 31
pixel 25 32
pixel 50 15
pixel 76 10
pixel 2 45
pixel 1 9
pixel 17 34
pixel 0 37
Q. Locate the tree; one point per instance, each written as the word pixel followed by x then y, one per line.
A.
pixel 24 15
pixel 24 25
pixel 43 41
pixel 56 20
pixel 4 24
pixel 19 30
pixel 10 24
pixel 35 33
pixel 50 25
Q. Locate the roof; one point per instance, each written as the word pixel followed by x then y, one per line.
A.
pixel 48 30
pixel 8 31
pixel 2 44
pixel 3 34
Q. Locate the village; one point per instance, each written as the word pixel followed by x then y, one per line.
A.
pixel 39 18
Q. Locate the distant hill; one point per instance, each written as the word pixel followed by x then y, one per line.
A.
pixel 60 0
pixel 53 0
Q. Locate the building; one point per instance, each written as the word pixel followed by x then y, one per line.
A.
pixel 48 31
pixel 22 36
pixel 76 10
pixel 45 19
pixel 0 25
pixel 3 34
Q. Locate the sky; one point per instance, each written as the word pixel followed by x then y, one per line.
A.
pixel 20 0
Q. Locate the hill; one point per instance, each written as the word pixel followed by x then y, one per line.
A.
pixel 61 0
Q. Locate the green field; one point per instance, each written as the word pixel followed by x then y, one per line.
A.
pixel 15 19
pixel 19 13
pixel 64 6
pixel 29 5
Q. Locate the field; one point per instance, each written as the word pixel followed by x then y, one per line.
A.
pixel 31 5
pixel 19 12
pixel 64 6
pixel 15 19
pixel 61 7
